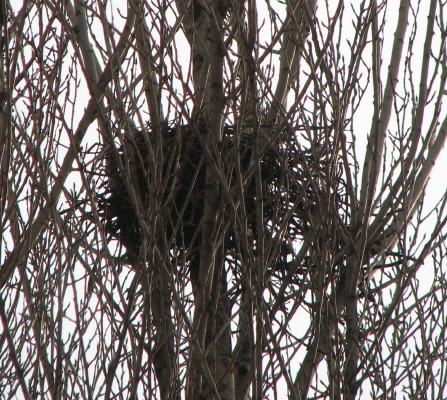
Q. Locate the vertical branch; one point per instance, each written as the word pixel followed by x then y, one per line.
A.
pixel 347 295
pixel 152 87
pixel 376 140
pixel 243 363
pixel 218 338
pixel 164 357
pixel 5 108
pixel 19 372
pixel 81 30
pixel 296 31
pixel 202 22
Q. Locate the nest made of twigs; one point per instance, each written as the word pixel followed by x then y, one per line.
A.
pixel 289 178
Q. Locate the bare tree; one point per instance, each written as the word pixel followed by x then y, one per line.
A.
pixel 215 199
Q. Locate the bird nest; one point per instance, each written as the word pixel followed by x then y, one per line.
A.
pixel 166 169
